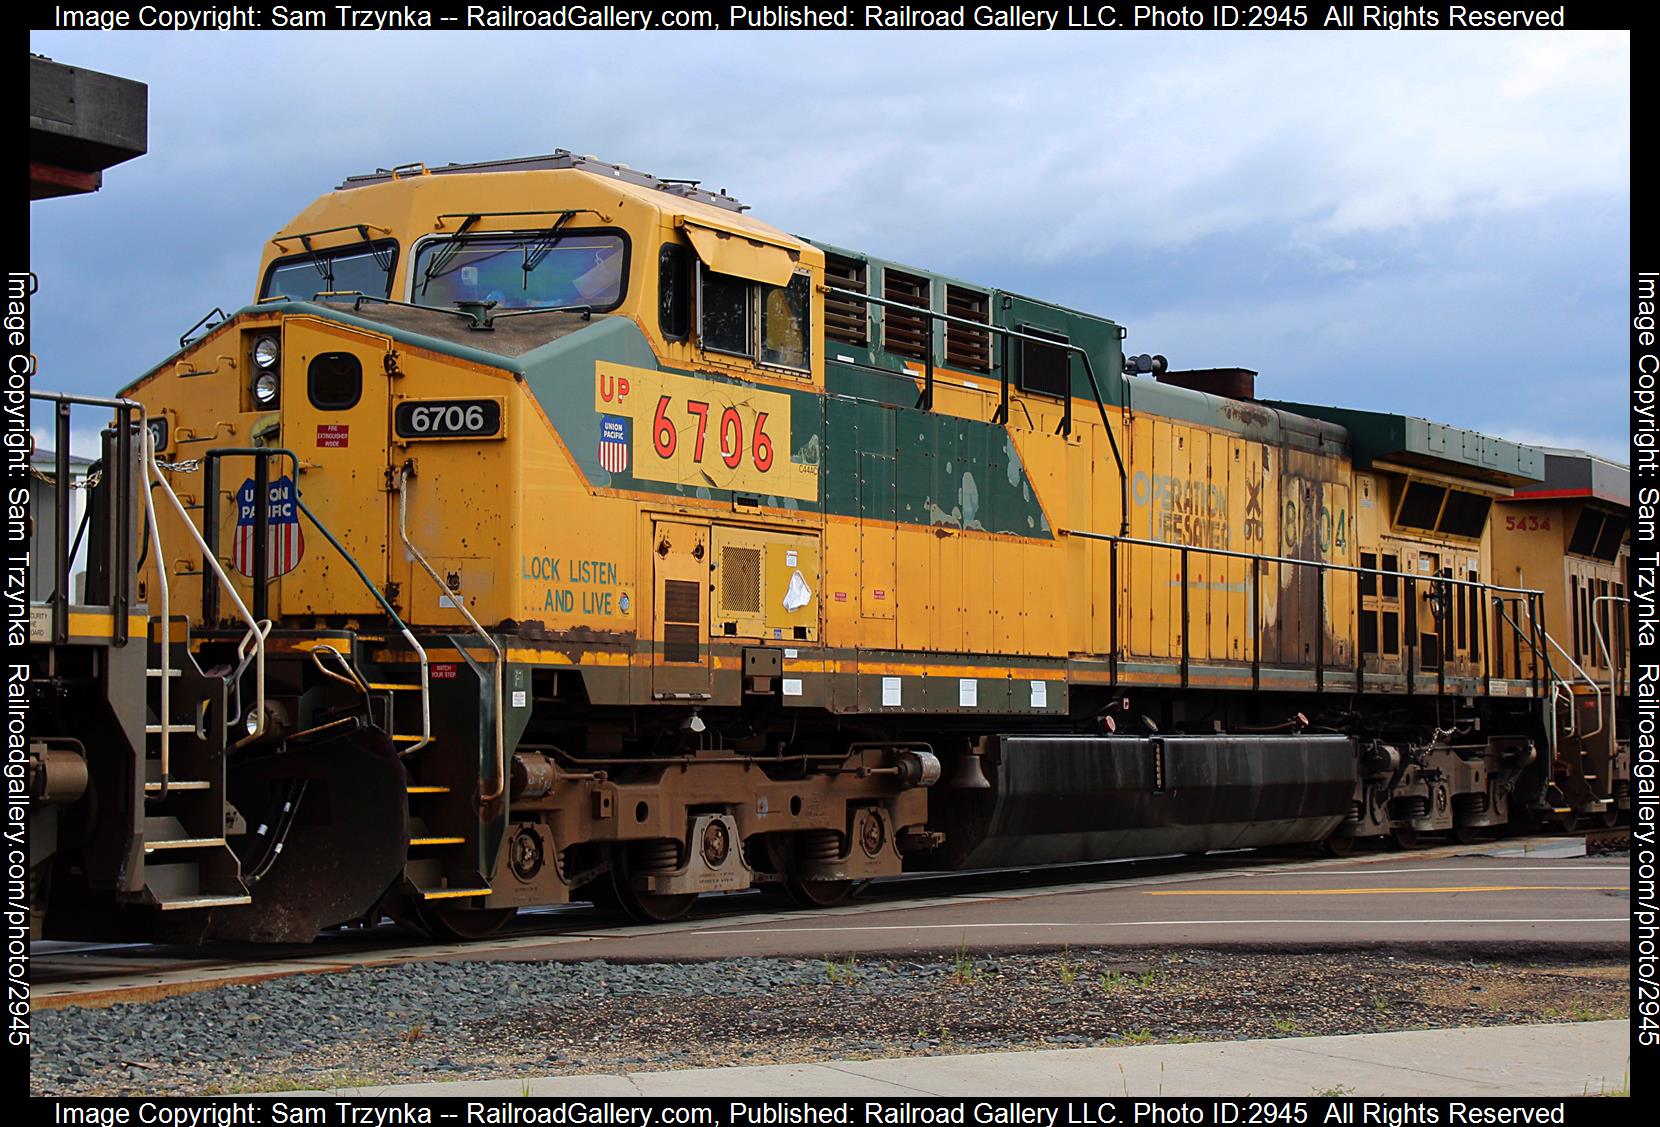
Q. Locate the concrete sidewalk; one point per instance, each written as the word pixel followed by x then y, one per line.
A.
pixel 1587 1058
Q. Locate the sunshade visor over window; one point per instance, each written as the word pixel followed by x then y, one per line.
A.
pixel 742 254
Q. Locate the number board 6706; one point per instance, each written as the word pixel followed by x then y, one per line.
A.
pixel 448 418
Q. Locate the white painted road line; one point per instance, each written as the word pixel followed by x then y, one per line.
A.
pixel 1234 921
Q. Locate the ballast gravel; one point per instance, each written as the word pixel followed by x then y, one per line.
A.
pixel 492 1019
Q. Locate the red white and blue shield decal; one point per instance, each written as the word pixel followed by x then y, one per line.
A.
pixel 613 443
pixel 284 542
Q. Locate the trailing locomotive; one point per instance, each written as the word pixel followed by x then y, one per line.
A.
pixel 547 530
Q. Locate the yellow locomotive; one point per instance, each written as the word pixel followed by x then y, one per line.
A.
pixel 549 530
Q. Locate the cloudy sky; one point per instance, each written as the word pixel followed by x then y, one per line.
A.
pixel 1431 223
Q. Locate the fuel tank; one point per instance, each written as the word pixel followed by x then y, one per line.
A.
pixel 1056 799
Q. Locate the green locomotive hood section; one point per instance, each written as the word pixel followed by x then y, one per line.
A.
pixel 876 460
pixel 897 463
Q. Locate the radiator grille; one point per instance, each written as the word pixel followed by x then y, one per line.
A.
pixel 966 347
pixel 904 332
pixel 845 319
pixel 681 602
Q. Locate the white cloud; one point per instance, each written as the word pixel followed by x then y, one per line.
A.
pixel 1349 157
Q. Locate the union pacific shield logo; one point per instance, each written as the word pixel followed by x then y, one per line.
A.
pixel 613 443
pixel 284 542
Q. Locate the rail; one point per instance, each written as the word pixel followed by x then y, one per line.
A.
pixel 121 565
pixel 208 540
pixel 405 472
pixel 1596 689
pixel 1614 677
pixel 925 401
pixel 1320 569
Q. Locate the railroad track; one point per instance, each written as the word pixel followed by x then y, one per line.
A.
pixel 92 974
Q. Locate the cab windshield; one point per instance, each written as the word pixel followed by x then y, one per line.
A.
pixel 362 268
pixel 522 271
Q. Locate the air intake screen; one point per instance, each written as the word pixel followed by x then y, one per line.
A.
pixel 740 580
pixel 682 613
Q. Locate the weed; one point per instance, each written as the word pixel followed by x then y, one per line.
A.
pixel 294 1082
pixel 413 1034
pixel 1285 1025
pixel 842 973
pixel 1335 1092
pixel 963 971
pixel 1068 969
pixel 1113 981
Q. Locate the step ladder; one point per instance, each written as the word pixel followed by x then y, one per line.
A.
pixel 187 862
pixel 442 861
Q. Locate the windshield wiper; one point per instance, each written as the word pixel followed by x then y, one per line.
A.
pixel 536 253
pixel 446 253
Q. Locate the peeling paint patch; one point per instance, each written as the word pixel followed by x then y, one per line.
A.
pixel 937 515
pixel 969 498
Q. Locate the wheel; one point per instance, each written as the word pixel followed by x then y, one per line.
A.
pixel 1610 817
pixel 785 850
pixel 461 925
pixel 1468 835
pixel 644 907
pixel 1568 821
pixel 818 893
pixel 1403 837
pixel 1340 845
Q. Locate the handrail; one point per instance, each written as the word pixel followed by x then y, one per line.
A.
pixel 460 604
pixel 210 510
pixel 350 677
pixel 1326 564
pixel 1607 657
pixel 1537 659
pixel 1596 689
pixel 362 229
pixel 1321 567
pixel 258 629
pixel 255 636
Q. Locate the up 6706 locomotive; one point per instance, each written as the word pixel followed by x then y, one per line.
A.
pixel 547 530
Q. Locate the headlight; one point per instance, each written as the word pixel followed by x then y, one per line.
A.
pixel 265 389
pixel 252 722
pixel 266 352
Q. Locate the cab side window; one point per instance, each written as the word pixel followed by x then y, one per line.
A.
pixel 674 292
pixel 771 325
pixel 725 307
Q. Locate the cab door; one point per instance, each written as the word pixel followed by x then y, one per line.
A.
pixel 680 610
pixel 334 410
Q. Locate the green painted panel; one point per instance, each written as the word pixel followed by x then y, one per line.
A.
pixel 1404 437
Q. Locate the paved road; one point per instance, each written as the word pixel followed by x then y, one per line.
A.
pixel 1540 893
pixel 1537 891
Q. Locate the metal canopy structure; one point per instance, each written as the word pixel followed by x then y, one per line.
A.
pixel 80 123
